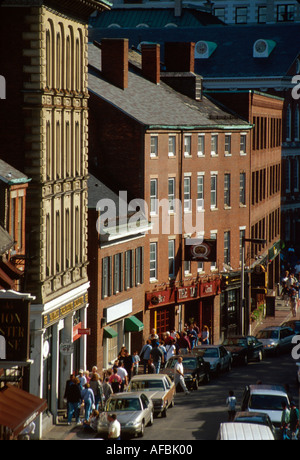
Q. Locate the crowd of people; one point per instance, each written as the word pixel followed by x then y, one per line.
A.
pixel 290 289
pixel 87 393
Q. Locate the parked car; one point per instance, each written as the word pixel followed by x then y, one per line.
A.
pixel 267 399
pixel 217 356
pixel 259 418
pixel 276 338
pixel 231 431
pixel 196 370
pixel 158 387
pixel 244 348
pixel 134 411
pixel 293 324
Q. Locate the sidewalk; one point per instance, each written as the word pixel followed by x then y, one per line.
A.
pixel 282 314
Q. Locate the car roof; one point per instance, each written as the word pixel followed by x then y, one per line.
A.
pixel 148 377
pixel 263 389
pixel 251 414
pixel 272 328
pixel 129 394
pixel 207 346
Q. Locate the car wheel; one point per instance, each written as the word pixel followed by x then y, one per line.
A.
pixel 141 433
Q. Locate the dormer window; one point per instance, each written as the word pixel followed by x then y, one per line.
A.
pixel 204 49
pixel 263 48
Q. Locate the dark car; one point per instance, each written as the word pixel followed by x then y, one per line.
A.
pixel 244 348
pixel 196 370
pixel 259 418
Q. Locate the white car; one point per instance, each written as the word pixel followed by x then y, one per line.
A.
pixel 217 356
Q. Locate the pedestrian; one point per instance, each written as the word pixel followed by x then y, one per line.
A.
pixel 192 336
pixel 74 400
pixel 205 336
pixel 96 386
pixel 88 397
pixel 294 420
pixel 293 301
pixel 82 379
pixel 162 347
pixel 122 372
pixel 179 375
pixel 107 389
pixel 145 354
pixel 115 381
pixel 136 362
pixel 114 430
pixel 128 364
pixel 285 419
pixel 183 345
pixel 157 356
pixel 151 367
pixel 170 348
pixel 91 424
pixel 231 406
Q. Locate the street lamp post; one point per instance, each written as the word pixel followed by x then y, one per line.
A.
pixel 243 300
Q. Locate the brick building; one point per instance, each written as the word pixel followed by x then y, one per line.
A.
pixel 175 145
pixel 116 273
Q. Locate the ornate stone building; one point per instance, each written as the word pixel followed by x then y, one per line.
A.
pixel 44 124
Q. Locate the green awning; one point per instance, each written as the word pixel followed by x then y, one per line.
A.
pixel 109 333
pixel 132 324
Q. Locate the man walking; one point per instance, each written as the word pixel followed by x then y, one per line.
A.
pixel 179 375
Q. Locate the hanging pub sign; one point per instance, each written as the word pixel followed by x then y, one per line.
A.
pixel 14 329
pixel 200 251
pixel 158 298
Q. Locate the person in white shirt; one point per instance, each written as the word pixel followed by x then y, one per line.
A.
pixel 179 375
pixel 114 430
pixel 121 371
pixel 171 349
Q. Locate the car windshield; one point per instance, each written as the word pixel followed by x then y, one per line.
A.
pixel 258 420
pixel 209 352
pixel 146 385
pixel 267 402
pixel 123 404
pixel 188 363
pixel 236 341
pixel 268 334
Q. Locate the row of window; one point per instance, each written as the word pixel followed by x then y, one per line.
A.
pixel 266 133
pixel 267 228
pixel 122 271
pixel 212 148
pixel 284 13
pixel 64 57
pixel 292 124
pixel 292 175
pixel 187 192
pixel 154 256
pixel 265 183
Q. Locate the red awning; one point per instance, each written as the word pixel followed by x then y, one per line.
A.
pixel 18 408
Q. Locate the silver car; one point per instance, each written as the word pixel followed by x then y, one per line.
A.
pixel 134 411
pixel 276 338
pixel 217 356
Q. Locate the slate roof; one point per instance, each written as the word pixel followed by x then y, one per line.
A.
pixel 233 56
pixel 10 175
pixel 158 106
pixel 153 17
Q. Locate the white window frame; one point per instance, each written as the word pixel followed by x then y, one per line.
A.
pixel 153 146
pixel 200 191
pixel 172 144
pixel 214 144
pixel 214 175
pixel 172 195
pixel 171 257
pixel 187 145
pixel 187 202
pixel 201 145
pixel 153 260
pixel 226 143
pixel 243 151
pixel 213 236
pixel 153 197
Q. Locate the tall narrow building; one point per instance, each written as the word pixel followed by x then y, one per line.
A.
pixel 44 132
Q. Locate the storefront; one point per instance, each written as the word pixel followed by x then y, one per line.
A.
pixel 122 328
pixel 231 315
pixel 57 349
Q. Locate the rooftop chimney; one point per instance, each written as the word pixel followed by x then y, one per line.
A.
pixel 114 66
pixel 180 57
pixel 151 62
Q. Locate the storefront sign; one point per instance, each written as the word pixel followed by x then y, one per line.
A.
pixel 209 288
pixel 51 318
pixel 158 298
pixel 205 251
pixel 66 348
pixel 187 293
pixel 14 328
pixel 84 331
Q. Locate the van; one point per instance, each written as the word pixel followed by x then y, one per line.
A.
pixel 232 431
